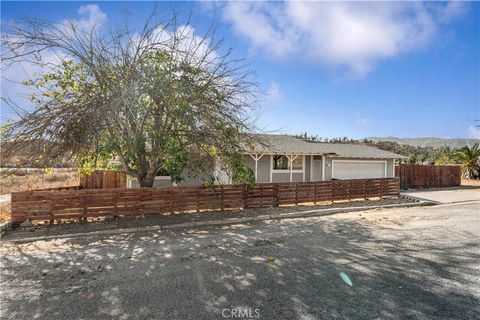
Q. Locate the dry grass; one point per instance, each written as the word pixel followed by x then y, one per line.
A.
pixel 5 211
pixel 38 180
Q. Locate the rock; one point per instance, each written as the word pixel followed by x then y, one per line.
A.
pixel 26 223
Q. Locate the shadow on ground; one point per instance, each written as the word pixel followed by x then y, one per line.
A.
pixel 195 274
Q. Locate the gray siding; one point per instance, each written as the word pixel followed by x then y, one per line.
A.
pixel 308 159
pixel 167 182
pixel 285 177
pixel 328 168
pixel 313 172
pixel 263 167
pixel 159 182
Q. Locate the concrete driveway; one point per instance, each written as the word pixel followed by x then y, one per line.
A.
pixel 416 263
pixel 446 196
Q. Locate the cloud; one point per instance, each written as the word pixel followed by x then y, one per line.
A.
pixel 90 16
pixel 274 93
pixel 473 132
pixel 11 80
pixel 187 43
pixel 347 35
pixel 452 10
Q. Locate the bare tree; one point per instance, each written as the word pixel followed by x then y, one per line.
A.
pixel 159 98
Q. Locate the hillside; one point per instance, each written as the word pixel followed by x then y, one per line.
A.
pixel 429 142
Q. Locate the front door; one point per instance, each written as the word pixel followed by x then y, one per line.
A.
pixel 317 168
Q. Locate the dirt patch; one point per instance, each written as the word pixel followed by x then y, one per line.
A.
pixel 471 182
pixel 394 220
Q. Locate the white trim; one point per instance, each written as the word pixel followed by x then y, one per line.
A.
pixel 271 168
pixel 290 162
pixel 368 161
pixel 303 167
pixel 323 168
pixel 393 169
pixel 291 171
pixel 256 158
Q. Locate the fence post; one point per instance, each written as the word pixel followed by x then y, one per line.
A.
pixel 332 191
pixel 52 219
pixel 244 197
pixel 381 187
pixel 364 184
pixel 115 203
pixel 349 190
pixel 275 194
pixel 84 201
pixel 222 195
pixel 197 199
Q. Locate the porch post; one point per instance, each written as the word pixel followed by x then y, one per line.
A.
pixel 256 158
pixel 311 168
pixel 290 162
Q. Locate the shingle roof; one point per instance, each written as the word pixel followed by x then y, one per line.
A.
pixel 281 144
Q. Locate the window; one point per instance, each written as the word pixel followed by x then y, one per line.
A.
pixel 282 163
pixel 298 163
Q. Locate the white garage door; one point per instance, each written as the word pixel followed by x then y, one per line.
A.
pixel 358 169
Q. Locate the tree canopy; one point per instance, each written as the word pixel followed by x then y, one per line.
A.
pixel 157 99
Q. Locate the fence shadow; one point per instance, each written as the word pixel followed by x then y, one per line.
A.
pixel 195 274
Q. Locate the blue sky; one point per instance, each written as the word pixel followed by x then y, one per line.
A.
pixel 331 69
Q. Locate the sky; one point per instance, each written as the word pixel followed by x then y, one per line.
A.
pixel 332 69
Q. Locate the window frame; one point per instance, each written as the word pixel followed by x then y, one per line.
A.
pixel 288 164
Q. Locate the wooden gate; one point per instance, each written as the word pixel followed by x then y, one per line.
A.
pixel 428 176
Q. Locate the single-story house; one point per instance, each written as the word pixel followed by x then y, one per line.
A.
pixel 284 158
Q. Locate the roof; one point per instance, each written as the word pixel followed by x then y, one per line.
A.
pixel 284 144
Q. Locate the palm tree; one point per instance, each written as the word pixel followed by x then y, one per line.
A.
pixel 422 158
pixel 412 158
pixel 469 159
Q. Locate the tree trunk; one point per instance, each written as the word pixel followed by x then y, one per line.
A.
pixel 147 180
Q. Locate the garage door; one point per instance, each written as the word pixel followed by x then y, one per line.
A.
pixel 358 169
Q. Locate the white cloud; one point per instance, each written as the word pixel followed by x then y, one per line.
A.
pixel 187 43
pixel 11 79
pixel 274 93
pixel 90 16
pixel 452 10
pixel 350 35
pixel 473 132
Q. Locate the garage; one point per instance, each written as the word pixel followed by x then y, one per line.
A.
pixel 358 169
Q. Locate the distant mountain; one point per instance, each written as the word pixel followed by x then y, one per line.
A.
pixel 429 142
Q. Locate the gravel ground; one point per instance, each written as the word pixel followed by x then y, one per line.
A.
pixel 416 263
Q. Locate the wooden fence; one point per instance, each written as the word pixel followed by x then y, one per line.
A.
pixel 103 179
pixel 428 176
pixel 84 203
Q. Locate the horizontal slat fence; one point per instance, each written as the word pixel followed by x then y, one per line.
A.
pixel 84 203
pixel 428 176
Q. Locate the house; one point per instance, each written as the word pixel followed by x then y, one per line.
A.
pixel 284 158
